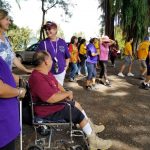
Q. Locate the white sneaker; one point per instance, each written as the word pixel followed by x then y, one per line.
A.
pixel 120 74
pixel 130 74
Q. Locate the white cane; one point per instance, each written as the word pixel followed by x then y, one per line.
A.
pixel 20 118
pixel 21 125
pixel 20 85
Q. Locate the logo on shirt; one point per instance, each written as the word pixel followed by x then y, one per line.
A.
pixel 62 48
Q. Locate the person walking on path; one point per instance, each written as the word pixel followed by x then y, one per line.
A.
pixel 113 52
pixel 91 61
pixel 74 58
pixel 142 53
pixel 105 43
pixel 128 59
pixel 146 84
pixel 83 56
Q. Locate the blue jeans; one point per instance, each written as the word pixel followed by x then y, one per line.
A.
pixel 91 68
pixel 82 68
pixel 74 70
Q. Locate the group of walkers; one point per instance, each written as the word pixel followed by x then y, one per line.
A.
pixel 51 61
pixel 96 54
pixel 87 58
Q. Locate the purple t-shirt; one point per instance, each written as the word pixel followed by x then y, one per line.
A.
pixel 61 53
pixel 91 49
pixel 9 109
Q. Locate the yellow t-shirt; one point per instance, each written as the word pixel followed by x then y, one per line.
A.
pixel 82 49
pixel 143 50
pixel 128 49
pixel 96 44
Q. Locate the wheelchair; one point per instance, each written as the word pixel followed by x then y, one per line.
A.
pixel 55 135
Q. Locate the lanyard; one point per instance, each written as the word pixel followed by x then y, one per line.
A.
pixel 55 50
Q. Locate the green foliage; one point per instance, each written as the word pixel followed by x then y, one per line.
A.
pixel 134 16
pixel 19 37
pixel 119 37
pixel 79 34
pixel 64 4
pixel 60 33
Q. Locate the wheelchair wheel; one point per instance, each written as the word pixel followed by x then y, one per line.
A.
pixel 35 147
pixel 42 131
pixel 76 147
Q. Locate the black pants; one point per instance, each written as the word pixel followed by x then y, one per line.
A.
pixel 112 58
pixel 103 72
pixel 9 146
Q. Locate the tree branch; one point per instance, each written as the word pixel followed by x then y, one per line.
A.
pixel 51 6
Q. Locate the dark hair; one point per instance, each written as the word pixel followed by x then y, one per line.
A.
pixel 73 39
pixel 92 40
pixel 82 42
pixel 39 58
pixel 79 39
pixel 3 14
pixel 129 38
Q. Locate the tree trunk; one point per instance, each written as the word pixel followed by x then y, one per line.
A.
pixel 109 20
pixel 43 19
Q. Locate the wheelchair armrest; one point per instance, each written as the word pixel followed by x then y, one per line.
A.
pixel 48 104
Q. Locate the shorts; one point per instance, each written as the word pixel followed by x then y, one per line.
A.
pixel 64 114
pixel 143 64
pixel 91 68
pixel 60 77
pixel 148 71
pixel 148 66
pixel 127 60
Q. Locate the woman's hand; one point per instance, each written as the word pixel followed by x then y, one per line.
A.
pixel 29 71
pixel 20 66
pixel 21 92
pixel 70 97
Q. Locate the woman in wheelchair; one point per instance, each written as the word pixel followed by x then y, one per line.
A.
pixel 45 88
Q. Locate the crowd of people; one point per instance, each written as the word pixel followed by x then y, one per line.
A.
pixel 51 61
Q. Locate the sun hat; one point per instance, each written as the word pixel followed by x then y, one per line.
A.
pixel 50 25
pixel 105 39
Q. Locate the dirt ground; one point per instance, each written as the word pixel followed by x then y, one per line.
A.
pixel 123 108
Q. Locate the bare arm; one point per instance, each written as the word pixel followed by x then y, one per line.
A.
pixel 111 42
pixel 95 54
pixel 61 87
pixel 18 64
pixel 16 77
pixel 67 63
pixel 7 91
pixel 59 97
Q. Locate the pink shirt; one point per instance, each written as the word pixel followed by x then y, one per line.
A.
pixel 104 52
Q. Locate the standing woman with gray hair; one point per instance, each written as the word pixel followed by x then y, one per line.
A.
pixel 6 51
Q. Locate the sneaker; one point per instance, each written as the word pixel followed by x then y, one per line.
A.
pixel 107 83
pixel 98 143
pixel 96 128
pixel 130 74
pixel 144 86
pixel 121 74
pixel 72 80
pixel 89 88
